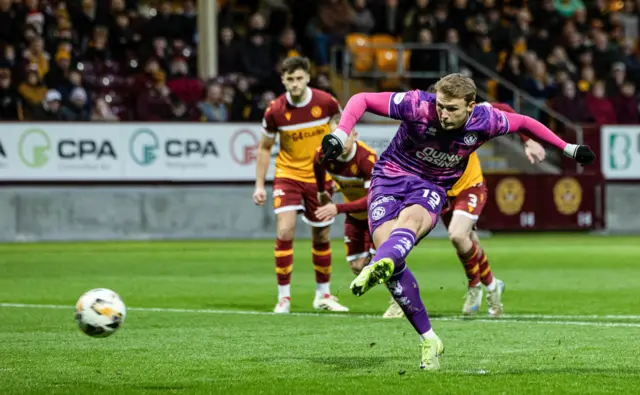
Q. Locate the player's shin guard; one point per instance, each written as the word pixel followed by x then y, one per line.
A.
pixel 406 292
pixel 322 266
pixel 284 266
pixel 397 248
pixel 471 265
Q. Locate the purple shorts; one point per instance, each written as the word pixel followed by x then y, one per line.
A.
pixel 388 196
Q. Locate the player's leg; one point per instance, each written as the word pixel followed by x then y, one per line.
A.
pixel 287 202
pixel 398 223
pixel 321 252
pixel 466 210
pixel 356 242
pixel 494 286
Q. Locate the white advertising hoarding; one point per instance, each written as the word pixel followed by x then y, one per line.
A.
pixel 141 151
pixel 620 152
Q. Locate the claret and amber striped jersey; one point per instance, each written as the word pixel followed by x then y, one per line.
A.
pixel 300 128
pixel 352 176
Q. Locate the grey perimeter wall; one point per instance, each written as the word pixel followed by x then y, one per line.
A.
pixel 113 213
pixel 224 212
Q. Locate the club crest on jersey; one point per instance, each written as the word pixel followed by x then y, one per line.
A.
pixel 354 169
pixel 432 131
pixel 378 213
pixel 287 115
pixel 316 111
pixel 470 138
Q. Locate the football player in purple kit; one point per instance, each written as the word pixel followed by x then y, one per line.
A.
pixel 427 155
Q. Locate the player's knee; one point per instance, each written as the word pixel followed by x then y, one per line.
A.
pixel 321 235
pixel 357 265
pixel 459 238
pixel 286 232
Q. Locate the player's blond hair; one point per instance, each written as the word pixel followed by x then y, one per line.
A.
pixel 457 86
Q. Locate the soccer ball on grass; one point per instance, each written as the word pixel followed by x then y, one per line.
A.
pixel 100 312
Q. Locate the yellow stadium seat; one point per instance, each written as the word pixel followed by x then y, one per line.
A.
pixel 361 51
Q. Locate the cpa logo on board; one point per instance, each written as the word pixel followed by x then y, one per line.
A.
pixel 143 146
pixel 33 147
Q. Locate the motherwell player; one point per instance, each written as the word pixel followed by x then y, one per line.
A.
pixel 299 118
pixel 351 171
pixel 466 200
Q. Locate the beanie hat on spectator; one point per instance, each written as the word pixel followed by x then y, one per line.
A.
pixel 78 94
pixel 35 19
pixel 63 54
pixel 53 95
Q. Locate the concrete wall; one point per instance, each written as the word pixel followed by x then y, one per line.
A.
pixel 623 208
pixel 114 213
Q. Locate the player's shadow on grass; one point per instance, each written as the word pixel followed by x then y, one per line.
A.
pixel 344 363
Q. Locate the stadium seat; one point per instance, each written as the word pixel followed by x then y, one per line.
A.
pixel 361 51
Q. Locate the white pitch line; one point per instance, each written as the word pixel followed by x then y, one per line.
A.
pixel 519 319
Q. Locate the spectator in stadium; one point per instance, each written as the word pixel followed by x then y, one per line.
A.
pixel 287 46
pixel 32 91
pixel 102 112
pixel 567 8
pixel 154 103
pixel 362 21
pixel 419 17
pixel 630 59
pixel 626 104
pixel 212 108
pixel 522 27
pixel 179 110
pixel 120 37
pixel 49 108
pixel 323 83
pixel 629 20
pixel 259 106
pixel 97 48
pixel 257 56
pixel 587 79
pixel 9 25
pixel 570 104
pixel 229 52
pixel 59 71
pixel 600 108
pixel 187 88
pixel 546 15
pixel 559 61
pixel 424 60
pixel 73 80
pixel 538 83
pixel 9 57
pixel 35 54
pixel 512 73
pixel 10 106
pixel 76 110
pixel 604 54
pixel 615 80
pixel 242 101
pixel 165 24
pixel 330 26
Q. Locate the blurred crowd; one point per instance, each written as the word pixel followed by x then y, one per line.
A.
pixel 108 60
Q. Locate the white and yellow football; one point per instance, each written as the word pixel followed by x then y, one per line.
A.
pixel 100 312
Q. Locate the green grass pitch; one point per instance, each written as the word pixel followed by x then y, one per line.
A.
pixel 199 321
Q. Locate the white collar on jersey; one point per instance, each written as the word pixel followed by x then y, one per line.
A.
pixel 351 154
pixel 307 99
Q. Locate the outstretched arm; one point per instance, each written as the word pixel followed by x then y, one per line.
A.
pixel 520 123
pixel 376 103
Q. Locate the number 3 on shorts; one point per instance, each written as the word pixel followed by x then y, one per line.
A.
pixel 473 200
pixel 433 199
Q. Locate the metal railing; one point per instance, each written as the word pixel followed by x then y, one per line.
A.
pixel 449 62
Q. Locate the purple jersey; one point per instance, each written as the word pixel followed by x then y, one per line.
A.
pixel 422 148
